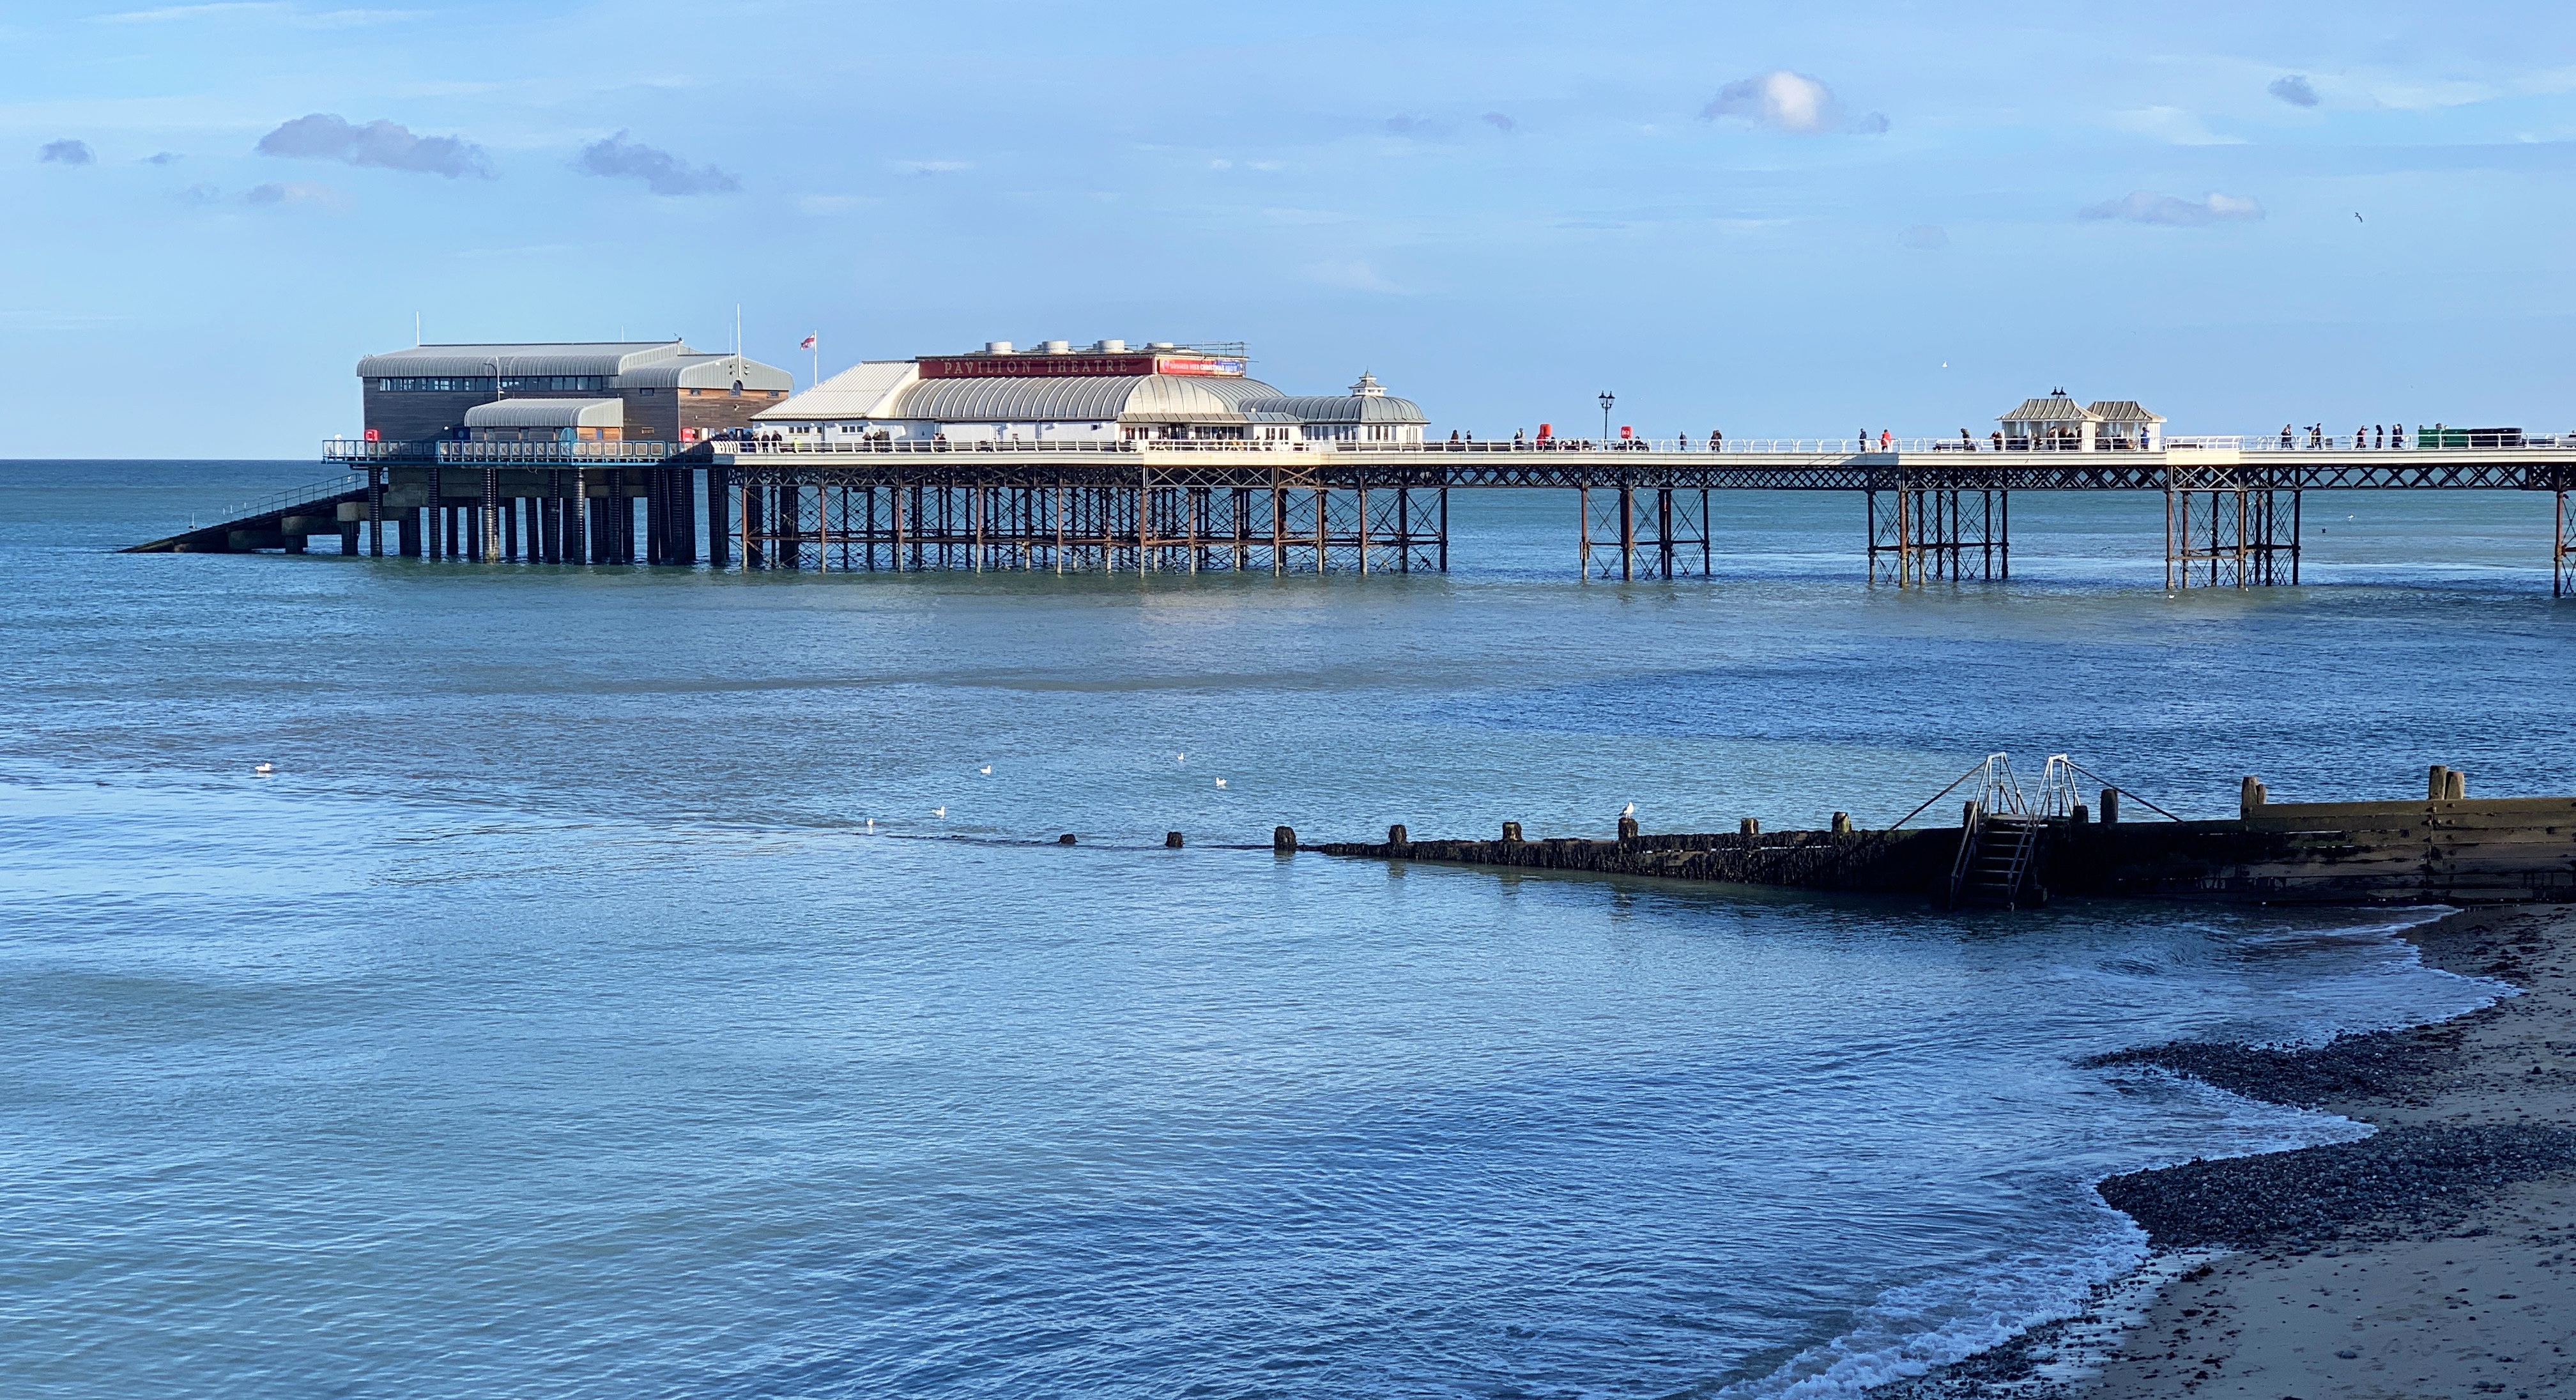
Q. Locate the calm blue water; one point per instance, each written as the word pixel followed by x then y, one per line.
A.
pixel 593 1003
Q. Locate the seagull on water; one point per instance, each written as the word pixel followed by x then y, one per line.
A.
pixel 939 811
pixel 265 768
pixel 1220 782
pixel 986 770
pixel 1180 758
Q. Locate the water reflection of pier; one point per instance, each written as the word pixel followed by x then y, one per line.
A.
pixel 1934 509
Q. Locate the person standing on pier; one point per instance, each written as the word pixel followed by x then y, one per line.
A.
pixel 1716 440
pixel 2285 437
pixel 1886 439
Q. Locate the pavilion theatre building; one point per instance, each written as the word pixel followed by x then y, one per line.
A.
pixel 1105 392
pixel 573 392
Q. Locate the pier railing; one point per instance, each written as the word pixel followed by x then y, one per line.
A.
pixel 2450 440
pixel 359 450
pixel 276 501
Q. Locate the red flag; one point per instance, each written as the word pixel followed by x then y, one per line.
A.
pixel 806 344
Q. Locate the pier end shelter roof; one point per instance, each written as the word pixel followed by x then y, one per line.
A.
pixel 2057 408
pixel 2122 411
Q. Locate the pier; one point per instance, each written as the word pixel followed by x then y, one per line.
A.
pixel 1929 510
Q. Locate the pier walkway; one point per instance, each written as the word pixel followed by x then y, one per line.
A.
pixel 1935 508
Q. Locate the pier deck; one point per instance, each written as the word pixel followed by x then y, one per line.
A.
pixel 1933 510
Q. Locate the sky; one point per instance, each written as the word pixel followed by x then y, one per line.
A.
pixel 1772 219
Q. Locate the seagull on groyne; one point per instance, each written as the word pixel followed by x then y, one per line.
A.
pixel 1628 811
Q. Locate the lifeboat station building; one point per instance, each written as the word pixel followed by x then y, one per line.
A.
pixel 2059 423
pixel 631 391
pixel 1103 392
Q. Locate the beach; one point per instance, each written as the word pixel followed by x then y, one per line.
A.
pixel 2427 1259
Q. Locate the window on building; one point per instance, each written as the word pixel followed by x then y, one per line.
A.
pixel 436 385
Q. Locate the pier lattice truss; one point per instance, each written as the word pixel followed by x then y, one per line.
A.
pixel 1934 514
pixel 1152 522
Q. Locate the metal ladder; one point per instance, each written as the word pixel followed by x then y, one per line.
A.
pixel 1999 841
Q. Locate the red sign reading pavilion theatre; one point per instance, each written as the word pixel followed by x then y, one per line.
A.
pixel 1031 366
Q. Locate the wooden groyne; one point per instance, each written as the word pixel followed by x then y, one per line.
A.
pixel 2446 848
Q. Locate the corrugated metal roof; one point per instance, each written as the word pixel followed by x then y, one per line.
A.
pixel 2122 411
pixel 1129 398
pixel 547 413
pixel 1236 390
pixel 548 357
pixel 864 390
pixel 695 371
pixel 1343 408
pixel 2052 409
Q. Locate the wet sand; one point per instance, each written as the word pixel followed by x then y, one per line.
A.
pixel 2430 1259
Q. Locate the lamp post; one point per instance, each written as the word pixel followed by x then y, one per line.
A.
pixel 1607 399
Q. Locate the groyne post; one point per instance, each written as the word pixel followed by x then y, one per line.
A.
pixel 2110 806
pixel 1283 839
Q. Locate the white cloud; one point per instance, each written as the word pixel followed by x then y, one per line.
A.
pixel 295 192
pixel 1351 275
pixel 259 9
pixel 618 158
pixel 323 136
pixel 2172 124
pixel 1791 102
pixel 2145 207
pixel 932 167
pixel 2294 89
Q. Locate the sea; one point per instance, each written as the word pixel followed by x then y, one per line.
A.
pixel 656 982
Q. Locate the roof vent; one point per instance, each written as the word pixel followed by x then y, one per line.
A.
pixel 1055 347
pixel 997 347
pixel 1111 347
pixel 1160 345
